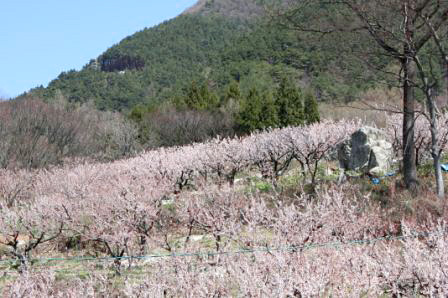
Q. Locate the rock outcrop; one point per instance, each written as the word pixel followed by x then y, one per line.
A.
pixel 367 151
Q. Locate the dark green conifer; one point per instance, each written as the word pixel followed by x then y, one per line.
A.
pixel 311 109
pixel 233 93
pixel 249 116
pixel 269 114
pixel 200 97
pixel 257 112
pixel 289 103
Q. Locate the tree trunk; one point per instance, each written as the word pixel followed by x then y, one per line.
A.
pixel 435 150
pixel 445 76
pixel 409 159
pixel 431 106
pixel 439 177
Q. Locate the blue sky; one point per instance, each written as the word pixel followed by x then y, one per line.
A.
pixel 40 39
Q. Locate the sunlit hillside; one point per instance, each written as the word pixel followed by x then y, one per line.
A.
pixel 231 217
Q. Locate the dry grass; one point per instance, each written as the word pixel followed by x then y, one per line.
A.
pixel 402 204
pixel 372 106
pixel 381 99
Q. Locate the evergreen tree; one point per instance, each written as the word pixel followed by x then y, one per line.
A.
pixel 210 98
pixel 231 101
pixel 311 109
pixel 178 102
pixel 257 112
pixel 137 113
pixel 269 114
pixel 194 99
pixel 289 104
pixel 200 97
pixel 233 94
pixel 248 118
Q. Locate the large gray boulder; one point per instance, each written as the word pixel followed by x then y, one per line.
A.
pixel 367 151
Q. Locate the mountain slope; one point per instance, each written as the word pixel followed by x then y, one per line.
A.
pixel 204 44
pixel 152 64
pixel 229 8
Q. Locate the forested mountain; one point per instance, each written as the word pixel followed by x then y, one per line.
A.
pixel 215 42
pixel 229 8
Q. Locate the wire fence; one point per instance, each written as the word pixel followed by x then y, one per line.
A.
pixel 47 262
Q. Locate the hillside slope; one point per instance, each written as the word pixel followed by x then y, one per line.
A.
pixel 228 8
pixel 152 64
pixel 215 42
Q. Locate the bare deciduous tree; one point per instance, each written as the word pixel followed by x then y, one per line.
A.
pixel 397 30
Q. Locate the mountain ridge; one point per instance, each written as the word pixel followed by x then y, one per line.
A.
pixel 227 8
